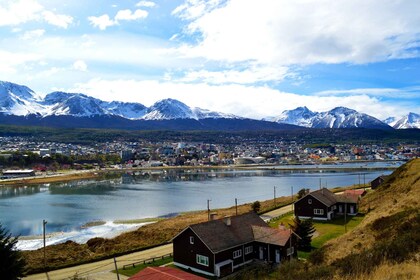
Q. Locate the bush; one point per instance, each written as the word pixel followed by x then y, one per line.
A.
pixel 11 262
pixel 256 206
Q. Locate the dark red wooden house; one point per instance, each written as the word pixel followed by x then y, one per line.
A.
pixel 219 247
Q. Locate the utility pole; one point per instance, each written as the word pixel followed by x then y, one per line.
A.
pixel 44 222
pixel 208 209
pixel 292 198
pixel 274 195
pixel 364 180
pixel 345 217
pixel 116 269
pixel 236 206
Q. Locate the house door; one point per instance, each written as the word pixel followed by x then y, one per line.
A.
pixel 340 208
pixel 277 256
pixel 351 209
pixel 261 253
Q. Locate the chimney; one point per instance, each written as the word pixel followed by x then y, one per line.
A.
pixel 282 227
pixel 227 221
pixel 213 216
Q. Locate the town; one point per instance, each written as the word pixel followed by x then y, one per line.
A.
pixel 42 155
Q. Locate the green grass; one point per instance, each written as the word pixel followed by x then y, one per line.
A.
pixel 130 271
pixel 325 230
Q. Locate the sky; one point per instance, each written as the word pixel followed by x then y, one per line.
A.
pixel 250 58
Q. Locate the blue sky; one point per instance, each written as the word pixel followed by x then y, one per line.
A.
pixel 250 58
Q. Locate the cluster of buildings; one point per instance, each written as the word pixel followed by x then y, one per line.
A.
pixel 147 153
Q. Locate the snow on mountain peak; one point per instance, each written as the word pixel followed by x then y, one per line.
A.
pixel 339 117
pixel 412 120
pixel 167 109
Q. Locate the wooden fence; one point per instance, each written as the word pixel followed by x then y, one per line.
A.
pixel 147 261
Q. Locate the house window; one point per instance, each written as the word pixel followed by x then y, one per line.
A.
pixel 249 250
pixel 309 201
pixel 203 260
pixel 237 254
pixel 191 239
pixel 319 211
pixel 290 251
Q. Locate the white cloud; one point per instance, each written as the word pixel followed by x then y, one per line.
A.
pixel 17 12
pixel 80 65
pixel 147 4
pixel 248 101
pixel 408 93
pixel 102 22
pixel 9 61
pixel 62 21
pixel 32 34
pixel 22 11
pixel 129 15
pixel 287 32
pixel 248 76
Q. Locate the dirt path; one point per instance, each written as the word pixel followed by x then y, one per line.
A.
pixel 101 269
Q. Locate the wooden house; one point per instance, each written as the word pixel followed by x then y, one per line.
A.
pixel 219 247
pixel 325 205
pixel 377 181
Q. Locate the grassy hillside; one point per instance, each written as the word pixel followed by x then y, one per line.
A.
pixel 386 244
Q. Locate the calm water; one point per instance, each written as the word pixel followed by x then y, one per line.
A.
pixel 68 206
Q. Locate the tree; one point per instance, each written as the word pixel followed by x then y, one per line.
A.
pixel 12 263
pixel 256 206
pixel 302 192
pixel 305 230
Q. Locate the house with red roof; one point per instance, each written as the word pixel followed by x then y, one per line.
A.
pixel 221 246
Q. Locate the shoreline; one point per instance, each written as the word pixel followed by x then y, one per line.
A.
pixel 72 175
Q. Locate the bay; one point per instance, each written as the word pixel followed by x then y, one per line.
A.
pixel 68 206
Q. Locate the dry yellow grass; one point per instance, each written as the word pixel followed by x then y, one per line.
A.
pixel 71 253
pixel 388 271
pixel 392 197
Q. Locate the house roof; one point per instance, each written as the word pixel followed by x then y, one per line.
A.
pixel 271 235
pixel 219 236
pixel 359 192
pixel 347 198
pixel 164 273
pixel 325 196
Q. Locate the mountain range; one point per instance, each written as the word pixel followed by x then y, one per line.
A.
pixel 21 105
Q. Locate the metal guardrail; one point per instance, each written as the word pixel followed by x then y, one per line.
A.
pixel 147 261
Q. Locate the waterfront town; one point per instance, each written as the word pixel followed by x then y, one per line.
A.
pixel 21 153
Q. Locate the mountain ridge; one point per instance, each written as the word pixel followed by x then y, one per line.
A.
pixel 338 117
pixel 20 100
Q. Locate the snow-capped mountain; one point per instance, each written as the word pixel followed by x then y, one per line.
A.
pixel 339 117
pixel 128 110
pixel 300 116
pixel 169 109
pixel 412 120
pixel 22 101
pixel 75 104
pixel 77 109
pixel 390 121
pixel 18 100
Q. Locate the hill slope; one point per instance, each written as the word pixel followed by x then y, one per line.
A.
pixel 389 235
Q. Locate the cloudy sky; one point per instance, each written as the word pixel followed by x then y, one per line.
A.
pixel 246 57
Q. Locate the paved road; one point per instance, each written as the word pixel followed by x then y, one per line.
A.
pixel 101 270
pixel 277 212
